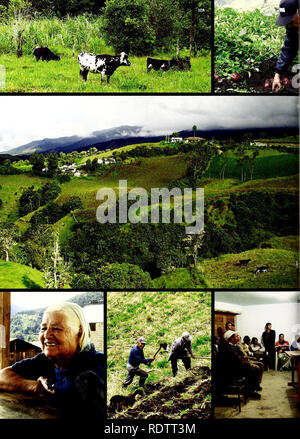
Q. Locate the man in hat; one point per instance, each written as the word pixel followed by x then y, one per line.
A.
pixel 180 349
pixel 288 17
pixel 136 357
pixel 232 364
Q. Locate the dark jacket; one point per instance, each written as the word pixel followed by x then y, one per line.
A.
pixel 136 357
pixel 86 372
pixel 230 359
pixel 268 339
pixel 288 52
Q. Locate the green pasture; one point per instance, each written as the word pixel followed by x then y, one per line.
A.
pixel 13 275
pixel 11 190
pixel 269 164
pixel 26 75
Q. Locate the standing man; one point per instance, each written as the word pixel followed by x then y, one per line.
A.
pixel 288 17
pixel 136 357
pixel 180 349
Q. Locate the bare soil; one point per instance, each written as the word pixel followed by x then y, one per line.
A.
pixel 185 399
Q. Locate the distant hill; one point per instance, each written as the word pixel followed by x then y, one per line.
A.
pixel 25 325
pixel 131 135
pixel 72 143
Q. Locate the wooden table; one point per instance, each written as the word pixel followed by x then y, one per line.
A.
pixel 22 406
pixel 295 357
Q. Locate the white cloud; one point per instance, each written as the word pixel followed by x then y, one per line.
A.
pixel 27 118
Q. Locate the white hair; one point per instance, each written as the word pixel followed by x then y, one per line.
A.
pixel 76 314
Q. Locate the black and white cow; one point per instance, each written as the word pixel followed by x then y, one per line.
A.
pixel 103 64
pixel 262 269
pixel 164 65
pixel 45 54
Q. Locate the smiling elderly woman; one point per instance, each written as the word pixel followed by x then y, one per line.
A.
pixel 69 370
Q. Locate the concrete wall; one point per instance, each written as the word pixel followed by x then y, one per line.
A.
pixel 285 318
pixel 97 337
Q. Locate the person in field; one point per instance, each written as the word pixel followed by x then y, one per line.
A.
pixel 288 17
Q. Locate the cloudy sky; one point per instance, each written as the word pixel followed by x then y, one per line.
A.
pixel 40 299
pixel 27 118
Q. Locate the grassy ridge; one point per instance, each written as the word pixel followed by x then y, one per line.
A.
pixel 159 317
pixel 14 275
pixel 25 74
pixel 225 271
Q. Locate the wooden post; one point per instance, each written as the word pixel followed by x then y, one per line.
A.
pixel 4 328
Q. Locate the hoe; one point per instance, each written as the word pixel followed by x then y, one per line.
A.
pixel 164 346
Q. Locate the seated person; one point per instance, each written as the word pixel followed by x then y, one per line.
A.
pixel 69 371
pixel 256 348
pixel 233 365
pixel 295 346
pixel 281 346
pixel 254 362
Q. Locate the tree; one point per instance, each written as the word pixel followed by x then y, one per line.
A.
pixel 52 160
pixel 163 16
pixel 126 26
pixel 194 129
pixel 29 201
pixel 18 12
pixel 198 161
pixel 8 236
pixel 122 276
pixel 38 162
pixel 193 244
pixel 55 273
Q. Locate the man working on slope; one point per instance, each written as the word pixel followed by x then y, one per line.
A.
pixel 289 17
pixel 136 357
pixel 180 349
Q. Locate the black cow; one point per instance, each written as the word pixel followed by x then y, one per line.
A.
pixel 244 261
pixel 164 65
pixel 104 64
pixel 45 54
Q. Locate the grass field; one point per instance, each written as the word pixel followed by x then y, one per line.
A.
pixel 26 75
pixel 10 191
pixel 160 317
pixel 225 271
pixel 14 275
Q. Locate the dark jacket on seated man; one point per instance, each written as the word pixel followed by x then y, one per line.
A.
pixel 82 383
pixel 232 364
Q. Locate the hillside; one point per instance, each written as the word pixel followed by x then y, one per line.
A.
pixel 160 317
pixel 250 201
pixel 14 276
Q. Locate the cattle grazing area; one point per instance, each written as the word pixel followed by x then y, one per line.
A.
pixel 24 75
pixel 162 31
pixel 159 317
